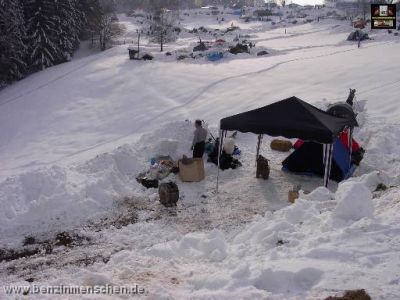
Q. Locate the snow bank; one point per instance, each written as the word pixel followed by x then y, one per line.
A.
pixel 211 246
pixel 72 195
pixel 354 202
pixel 373 179
pixel 284 282
pixel 319 194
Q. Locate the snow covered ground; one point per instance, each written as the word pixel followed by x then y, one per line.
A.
pixel 74 137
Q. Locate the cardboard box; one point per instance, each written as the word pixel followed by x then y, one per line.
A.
pixel 192 172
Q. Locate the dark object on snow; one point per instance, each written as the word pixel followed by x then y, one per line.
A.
pixel 358 35
pixel 381 187
pixel 356 157
pixel 29 240
pixel 342 110
pixel 308 160
pixel 133 54
pixel 232 28
pixel 200 47
pixel 64 239
pixel 239 48
pixel 181 57
pixel 147 182
pixel 169 194
pixel 262 168
pixel 350 98
pixel 11 254
pixel 290 118
pixel 147 57
pixel 261 53
pixel 168 53
pixel 281 145
pixel 226 161
pixel 352 295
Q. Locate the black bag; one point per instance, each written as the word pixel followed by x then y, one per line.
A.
pixel 148 183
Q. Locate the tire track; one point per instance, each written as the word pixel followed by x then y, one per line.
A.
pixel 196 97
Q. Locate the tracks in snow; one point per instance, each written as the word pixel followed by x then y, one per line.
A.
pixel 192 98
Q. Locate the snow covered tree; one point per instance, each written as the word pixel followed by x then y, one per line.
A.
pixel 43 47
pixel 53 29
pixel 68 20
pixel 12 48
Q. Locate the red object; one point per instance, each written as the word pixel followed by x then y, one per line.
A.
pixel 298 144
pixel 344 138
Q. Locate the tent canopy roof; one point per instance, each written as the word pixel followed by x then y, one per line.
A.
pixel 291 118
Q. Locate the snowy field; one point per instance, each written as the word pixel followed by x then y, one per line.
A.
pixel 74 137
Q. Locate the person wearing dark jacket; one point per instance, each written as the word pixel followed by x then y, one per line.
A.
pixel 199 139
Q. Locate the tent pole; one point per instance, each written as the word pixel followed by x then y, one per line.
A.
pixel 350 143
pixel 328 164
pixel 330 161
pixel 221 137
pixel 325 164
pixel 260 136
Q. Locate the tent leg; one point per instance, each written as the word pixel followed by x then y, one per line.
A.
pixel 221 134
pixel 328 164
pixel 350 143
pixel 260 136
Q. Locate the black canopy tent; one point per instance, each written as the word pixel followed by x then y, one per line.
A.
pixel 290 118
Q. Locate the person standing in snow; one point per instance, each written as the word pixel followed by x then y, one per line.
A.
pixel 199 139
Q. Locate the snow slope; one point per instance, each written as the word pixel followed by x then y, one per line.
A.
pixel 74 136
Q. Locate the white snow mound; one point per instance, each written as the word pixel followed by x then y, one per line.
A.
pixel 354 202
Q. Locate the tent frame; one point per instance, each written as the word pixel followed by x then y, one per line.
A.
pixel 327 154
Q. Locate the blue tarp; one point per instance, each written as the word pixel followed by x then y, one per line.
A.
pixel 215 56
pixel 307 160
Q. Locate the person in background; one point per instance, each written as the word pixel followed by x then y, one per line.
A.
pixel 199 139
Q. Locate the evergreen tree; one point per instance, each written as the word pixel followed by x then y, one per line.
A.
pixel 43 48
pixel 12 48
pixel 36 34
pixel 68 22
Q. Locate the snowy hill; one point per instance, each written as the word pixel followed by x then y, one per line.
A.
pixel 73 138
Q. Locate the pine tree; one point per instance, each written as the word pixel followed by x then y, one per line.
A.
pixel 12 48
pixel 68 22
pixel 43 48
